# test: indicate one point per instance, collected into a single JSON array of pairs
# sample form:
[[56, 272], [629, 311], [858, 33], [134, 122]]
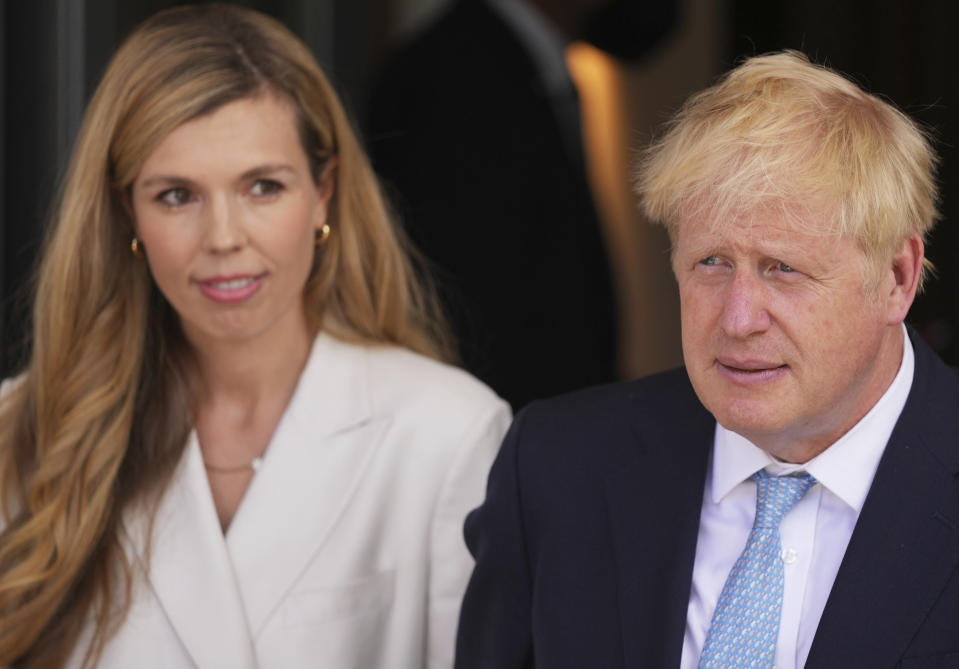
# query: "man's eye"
[[174, 197], [710, 261], [265, 187], [783, 267]]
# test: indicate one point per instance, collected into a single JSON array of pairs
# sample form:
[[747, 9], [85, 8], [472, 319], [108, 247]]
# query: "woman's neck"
[[244, 374], [243, 390]]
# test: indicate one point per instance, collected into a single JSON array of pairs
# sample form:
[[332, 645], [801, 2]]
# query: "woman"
[[234, 444]]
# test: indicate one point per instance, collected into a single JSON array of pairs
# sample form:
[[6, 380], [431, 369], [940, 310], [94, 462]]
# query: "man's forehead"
[[779, 226]]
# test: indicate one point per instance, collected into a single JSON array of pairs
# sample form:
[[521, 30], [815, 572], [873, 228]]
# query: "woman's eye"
[[265, 187], [174, 197], [709, 261]]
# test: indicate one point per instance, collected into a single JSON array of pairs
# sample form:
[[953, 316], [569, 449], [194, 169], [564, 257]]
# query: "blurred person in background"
[[476, 126]]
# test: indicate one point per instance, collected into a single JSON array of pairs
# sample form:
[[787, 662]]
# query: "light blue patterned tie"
[[745, 625]]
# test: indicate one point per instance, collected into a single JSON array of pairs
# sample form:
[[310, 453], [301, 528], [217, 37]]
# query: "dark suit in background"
[[472, 148]]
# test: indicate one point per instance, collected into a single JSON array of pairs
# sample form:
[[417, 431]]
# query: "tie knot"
[[776, 495]]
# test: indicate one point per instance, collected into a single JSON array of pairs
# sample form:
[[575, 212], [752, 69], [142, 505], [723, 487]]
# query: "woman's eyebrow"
[[166, 180], [263, 170]]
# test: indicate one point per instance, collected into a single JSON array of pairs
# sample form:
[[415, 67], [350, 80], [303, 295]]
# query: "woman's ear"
[[126, 201], [326, 182]]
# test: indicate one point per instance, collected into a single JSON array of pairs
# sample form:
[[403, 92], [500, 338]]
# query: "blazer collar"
[[654, 508], [905, 545], [334, 390], [189, 568], [219, 592], [317, 457]]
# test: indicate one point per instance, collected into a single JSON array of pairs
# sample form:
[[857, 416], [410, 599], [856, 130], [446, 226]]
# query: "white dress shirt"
[[814, 533]]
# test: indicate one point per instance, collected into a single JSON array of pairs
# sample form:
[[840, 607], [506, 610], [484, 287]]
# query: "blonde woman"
[[235, 443]]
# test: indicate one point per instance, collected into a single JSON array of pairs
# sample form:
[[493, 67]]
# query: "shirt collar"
[[544, 42], [846, 468]]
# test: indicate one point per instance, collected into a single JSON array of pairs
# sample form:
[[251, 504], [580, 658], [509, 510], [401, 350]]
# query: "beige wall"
[[622, 108]]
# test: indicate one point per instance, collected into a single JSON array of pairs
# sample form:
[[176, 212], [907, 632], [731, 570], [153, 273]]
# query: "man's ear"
[[906, 270]]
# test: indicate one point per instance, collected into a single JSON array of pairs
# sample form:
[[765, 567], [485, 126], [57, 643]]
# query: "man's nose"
[[745, 309], [224, 230]]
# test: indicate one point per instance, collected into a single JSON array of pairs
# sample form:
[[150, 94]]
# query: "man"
[[618, 528]]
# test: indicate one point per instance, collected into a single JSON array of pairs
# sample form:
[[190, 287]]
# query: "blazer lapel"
[[189, 570], [317, 456], [654, 507], [906, 543]]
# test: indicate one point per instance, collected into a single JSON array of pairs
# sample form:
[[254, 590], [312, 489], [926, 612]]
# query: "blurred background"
[[631, 66]]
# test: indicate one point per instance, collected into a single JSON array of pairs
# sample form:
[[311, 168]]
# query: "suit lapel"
[[906, 543], [654, 507], [316, 459], [189, 569]]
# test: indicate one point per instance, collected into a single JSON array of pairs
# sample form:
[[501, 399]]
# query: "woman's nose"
[[224, 226]]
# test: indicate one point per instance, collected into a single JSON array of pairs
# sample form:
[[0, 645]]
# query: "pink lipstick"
[[230, 289]]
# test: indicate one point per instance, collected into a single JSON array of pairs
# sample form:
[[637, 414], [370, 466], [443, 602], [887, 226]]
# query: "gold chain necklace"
[[253, 466]]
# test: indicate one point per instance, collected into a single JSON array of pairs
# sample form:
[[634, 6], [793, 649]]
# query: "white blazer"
[[347, 550]]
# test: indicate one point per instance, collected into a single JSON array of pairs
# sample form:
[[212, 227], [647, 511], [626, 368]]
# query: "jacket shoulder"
[[654, 397], [402, 379], [600, 428]]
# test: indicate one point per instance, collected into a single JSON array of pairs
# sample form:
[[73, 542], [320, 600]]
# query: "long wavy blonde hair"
[[100, 416]]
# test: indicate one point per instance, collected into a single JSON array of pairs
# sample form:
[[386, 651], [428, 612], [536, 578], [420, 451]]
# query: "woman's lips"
[[230, 289]]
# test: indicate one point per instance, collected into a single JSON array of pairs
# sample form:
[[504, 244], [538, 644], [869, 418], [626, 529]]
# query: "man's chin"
[[753, 418]]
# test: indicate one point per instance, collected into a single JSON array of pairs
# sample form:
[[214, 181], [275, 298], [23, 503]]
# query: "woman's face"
[[227, 210]]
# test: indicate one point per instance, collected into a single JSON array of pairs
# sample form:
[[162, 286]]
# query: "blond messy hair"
[[100, 416], [780, 133]]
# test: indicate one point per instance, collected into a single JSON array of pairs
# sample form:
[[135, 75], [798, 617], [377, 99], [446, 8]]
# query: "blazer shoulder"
[[606, 421], [440, 415], [403, 380], [930, 411], [648, 397]]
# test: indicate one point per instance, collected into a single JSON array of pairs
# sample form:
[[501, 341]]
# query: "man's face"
[[785, 339]]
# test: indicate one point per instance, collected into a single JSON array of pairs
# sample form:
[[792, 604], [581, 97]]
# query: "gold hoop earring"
[[321, 235], [136, 249]]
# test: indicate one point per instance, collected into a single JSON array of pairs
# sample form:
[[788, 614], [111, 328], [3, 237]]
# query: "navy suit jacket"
[[585, 543]]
